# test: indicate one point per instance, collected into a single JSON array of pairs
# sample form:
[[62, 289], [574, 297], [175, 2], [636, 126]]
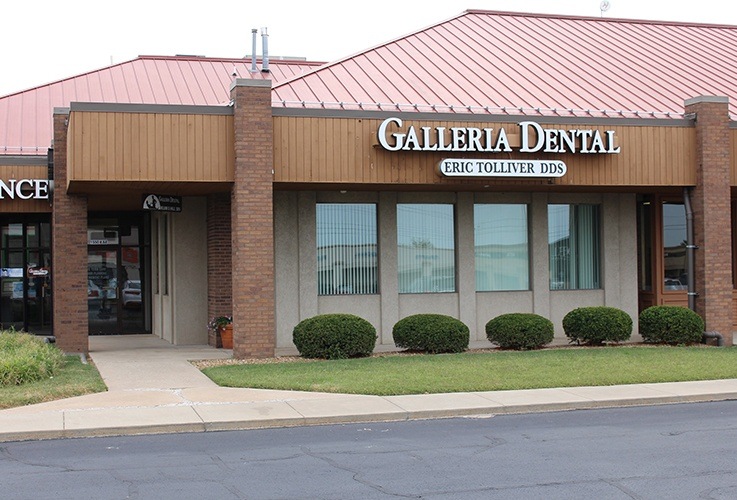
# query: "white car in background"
[[132, 294]]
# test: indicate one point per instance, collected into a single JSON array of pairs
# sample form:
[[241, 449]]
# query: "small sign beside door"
[[162, 203]]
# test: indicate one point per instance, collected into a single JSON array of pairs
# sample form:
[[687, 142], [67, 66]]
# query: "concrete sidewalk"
[[154, 389]]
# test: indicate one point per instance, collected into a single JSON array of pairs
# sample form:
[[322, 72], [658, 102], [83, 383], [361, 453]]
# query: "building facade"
[[387, 184]]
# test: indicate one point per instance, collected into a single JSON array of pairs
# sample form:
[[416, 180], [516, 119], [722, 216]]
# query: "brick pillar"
[[711, 206], [219, 263], [68, 252], [252, 221]]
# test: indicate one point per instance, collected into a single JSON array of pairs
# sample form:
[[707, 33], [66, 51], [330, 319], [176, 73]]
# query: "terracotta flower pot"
[[226, 336]]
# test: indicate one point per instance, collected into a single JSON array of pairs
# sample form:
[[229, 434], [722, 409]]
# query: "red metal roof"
[[477, 62], [501, 62], [26, 117]]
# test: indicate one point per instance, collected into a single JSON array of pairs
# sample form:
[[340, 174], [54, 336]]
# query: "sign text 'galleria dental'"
[[533, 138]]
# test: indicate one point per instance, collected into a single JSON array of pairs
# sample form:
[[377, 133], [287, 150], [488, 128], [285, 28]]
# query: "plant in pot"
[[222, 327]]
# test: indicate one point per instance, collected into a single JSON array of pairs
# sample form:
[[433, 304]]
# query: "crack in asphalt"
[[623, 489], [356, 474], [6, 454], [725, 492]]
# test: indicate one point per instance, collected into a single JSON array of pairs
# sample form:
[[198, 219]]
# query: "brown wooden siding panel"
[[118, 146], [18, 172], [341, 150], [733, 156]]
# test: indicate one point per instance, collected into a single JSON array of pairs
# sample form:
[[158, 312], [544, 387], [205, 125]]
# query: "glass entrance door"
[[25, 274], [661, 251], [102, 290], [116, 300]]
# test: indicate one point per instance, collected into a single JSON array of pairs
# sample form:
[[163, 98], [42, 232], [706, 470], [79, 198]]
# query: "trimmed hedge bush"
[[26, 358], [432, 333], [596, 325], [334, 336], [671, 325], [520, 331]]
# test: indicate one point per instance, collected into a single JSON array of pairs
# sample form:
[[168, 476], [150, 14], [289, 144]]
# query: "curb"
[[390, 416]]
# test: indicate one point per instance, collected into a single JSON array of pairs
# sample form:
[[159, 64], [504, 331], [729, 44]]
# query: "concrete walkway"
[[154, 389]]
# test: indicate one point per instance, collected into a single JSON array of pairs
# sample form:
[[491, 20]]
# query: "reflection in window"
[[674, 246], [501, 247], [12, 236], [346, 248], [574, 247], [426, 248]]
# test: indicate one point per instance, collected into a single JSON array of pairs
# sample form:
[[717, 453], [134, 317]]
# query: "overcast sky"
[[48, 40]]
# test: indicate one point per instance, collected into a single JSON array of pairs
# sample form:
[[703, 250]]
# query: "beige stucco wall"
[[189, 272], [181, 316], [296, 257]]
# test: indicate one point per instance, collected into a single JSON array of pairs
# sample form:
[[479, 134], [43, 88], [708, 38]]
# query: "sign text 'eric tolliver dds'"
[[533, 138], [501, 168]]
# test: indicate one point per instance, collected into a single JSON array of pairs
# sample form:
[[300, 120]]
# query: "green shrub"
[[596, 325], [671, 325], [432, 333], [334, 336], [520, 331], [25, 358]]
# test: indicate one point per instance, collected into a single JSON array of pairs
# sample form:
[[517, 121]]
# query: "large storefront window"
[[25, 273], [426, 248], [501, 247], [674, 246], [346, 248], [574, 247]]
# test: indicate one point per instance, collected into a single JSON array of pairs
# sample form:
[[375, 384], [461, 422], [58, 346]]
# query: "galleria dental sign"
[[24, 189], [534, 139]]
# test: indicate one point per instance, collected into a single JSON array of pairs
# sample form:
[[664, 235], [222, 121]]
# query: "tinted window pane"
[[346, 248], [501, 247], [426, 248], [574, 247], [674, 246]]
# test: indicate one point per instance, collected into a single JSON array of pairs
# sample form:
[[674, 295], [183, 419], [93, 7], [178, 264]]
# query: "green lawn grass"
[[486, 371], [72, 379]]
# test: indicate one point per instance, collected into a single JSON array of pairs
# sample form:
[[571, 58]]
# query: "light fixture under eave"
[[343, 191]]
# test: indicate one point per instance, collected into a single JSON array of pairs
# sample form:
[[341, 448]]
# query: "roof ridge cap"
[[192, 57], [54, 82], [597, 19], [364, 51]]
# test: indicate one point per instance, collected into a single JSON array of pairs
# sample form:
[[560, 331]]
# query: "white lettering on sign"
[[534, 139], [24, 189], [453, 167]]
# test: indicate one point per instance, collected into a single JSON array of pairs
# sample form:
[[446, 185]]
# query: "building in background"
[[491, 163]]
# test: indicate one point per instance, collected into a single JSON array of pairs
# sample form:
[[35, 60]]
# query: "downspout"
[[690, 248]]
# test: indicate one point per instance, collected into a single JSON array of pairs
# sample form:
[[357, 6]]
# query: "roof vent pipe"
[[265, 44], [254, 37]]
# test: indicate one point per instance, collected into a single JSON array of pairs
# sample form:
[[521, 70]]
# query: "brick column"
[[252, 221], [711, 200], [69, 251], [219, 263]]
